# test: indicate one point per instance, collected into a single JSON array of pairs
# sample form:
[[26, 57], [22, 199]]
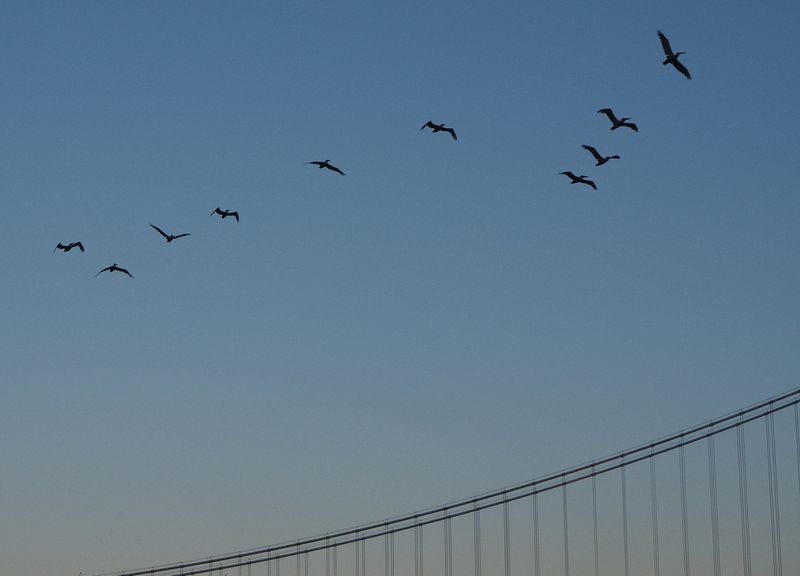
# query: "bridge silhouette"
[[722, 497]]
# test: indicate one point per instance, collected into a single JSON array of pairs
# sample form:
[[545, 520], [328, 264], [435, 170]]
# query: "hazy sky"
[[447, 318]]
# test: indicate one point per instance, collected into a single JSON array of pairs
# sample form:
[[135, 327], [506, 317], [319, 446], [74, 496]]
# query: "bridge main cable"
[[471, 505]]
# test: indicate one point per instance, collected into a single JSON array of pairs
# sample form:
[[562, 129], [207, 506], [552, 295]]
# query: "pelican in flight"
[[169, 237], [439, 128], [68, 247], [617, 122], [326, 164], [114, 268], [672, 57], [225, 213], [600, 159], [579, 179]]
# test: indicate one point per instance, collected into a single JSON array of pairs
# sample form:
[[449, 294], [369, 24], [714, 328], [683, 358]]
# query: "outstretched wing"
[[216, 211], [335, 169], [452, 133], [181, 235], [608, 112], [235, 215], [106, 269], [59, 246], [123, 270], [569, 174], [682, 69], [665, 43], [593, 150], [590, 183], [79, 245], [632, 126], [160, 231], [428, 124]]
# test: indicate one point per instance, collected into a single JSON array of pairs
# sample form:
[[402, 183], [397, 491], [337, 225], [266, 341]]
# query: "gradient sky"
[[448, 318]]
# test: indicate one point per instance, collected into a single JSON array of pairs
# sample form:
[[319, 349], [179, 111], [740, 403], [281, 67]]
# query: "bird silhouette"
[[617, 123], [169, 237], [225, 213], [68, 247], [114, 268], [579, 179], [439, 128], [326, 164], [600, 159], [672, 57]]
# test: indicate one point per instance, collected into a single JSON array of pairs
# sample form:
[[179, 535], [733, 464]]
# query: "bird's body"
[[225, 213], [618, 122], [600, 159], [672, 57], [169, 237], [114, 268], [326, 164], [68, 247], [439, 128], [579, 179]]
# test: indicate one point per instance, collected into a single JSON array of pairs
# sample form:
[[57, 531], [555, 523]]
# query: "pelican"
[[169, 237], [68, 247], [616, 123], [672, 57], [114, 268], [579, 179], [600, 159], [225, 213], [439, 128], [326, 164]]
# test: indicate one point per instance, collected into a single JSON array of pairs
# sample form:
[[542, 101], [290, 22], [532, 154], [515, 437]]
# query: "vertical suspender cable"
[[566, 527], [654, 514], [363, 558], [391, 552], [770, 478], [476, 517], [797, 443], [327, 559], [297, 561], [269, 567], [684, 520], [536, 560], [448, 547], [506, 541], [305, 564], [334, 555], [594, 520], [712, 488], [386, 554], [625, 522], [421, 551], [416, 550], [743, 501], [774, 501]]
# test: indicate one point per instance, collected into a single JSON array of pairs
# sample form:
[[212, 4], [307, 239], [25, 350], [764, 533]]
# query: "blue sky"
[[447, 318]]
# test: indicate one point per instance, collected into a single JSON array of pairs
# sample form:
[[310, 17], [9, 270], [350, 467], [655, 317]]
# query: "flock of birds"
[[671, 58]]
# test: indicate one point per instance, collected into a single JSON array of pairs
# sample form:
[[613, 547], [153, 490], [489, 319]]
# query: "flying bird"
[[169, 237], [617, 123], [672, 57], [579, 179], [225, 213], [600, 159], [439, 128], [326, 164], [114, 268], [68, 247]]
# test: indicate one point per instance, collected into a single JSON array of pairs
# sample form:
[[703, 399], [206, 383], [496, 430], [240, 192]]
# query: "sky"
[[448, 318]]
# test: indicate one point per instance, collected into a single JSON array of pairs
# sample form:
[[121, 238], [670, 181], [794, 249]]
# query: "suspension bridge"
[[722, 497]]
